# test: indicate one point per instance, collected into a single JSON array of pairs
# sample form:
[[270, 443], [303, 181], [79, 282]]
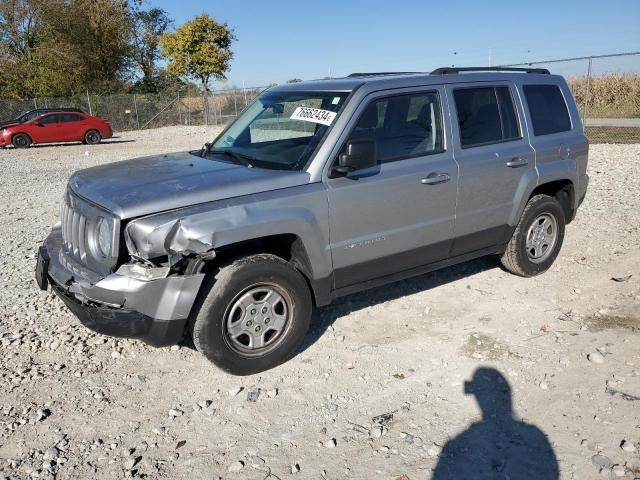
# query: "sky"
[[283, 39]]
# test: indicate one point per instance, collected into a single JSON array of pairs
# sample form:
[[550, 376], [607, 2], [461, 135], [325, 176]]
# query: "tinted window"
[[403, 126], [71, 117], [547, 108], [485, 115], [50, 119]]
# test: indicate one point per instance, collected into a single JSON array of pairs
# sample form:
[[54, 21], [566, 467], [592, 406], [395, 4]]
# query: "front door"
[[401, 213], [47, 128]]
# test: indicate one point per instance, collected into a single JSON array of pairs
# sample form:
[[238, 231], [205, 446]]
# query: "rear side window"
[[486, 115], [548, 109], [71, 117]]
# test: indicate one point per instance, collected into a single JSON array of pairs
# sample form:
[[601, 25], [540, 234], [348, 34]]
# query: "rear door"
[[72, 127], [496, 162], [399, 214]]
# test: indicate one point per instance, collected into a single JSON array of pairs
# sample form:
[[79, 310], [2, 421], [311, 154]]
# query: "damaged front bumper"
[[129, 303]]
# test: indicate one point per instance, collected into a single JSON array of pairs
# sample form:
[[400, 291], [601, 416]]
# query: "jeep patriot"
[[317, 190]]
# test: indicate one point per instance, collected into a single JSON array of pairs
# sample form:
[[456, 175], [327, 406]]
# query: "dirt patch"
[[484, 347], [599, 322]]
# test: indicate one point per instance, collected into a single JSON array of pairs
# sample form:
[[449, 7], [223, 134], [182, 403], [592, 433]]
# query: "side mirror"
[[205, 150], [360, 154], [38, 124]]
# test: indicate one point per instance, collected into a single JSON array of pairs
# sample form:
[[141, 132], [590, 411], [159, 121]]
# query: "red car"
[[57, 127]]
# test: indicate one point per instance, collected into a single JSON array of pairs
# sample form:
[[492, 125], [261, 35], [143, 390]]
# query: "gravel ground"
[[74, 404]]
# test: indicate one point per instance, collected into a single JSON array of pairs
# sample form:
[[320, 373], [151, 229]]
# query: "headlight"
[[104, 236]]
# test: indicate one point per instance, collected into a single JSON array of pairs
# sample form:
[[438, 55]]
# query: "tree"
[[62, 47], [294, 80], [199, 49], [149, 26]]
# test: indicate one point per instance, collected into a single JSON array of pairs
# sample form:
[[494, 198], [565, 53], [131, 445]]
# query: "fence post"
[[205, 105], [89, 102], [135, 107], [235, 101], [586, 96], [179, 113], [188, 109]]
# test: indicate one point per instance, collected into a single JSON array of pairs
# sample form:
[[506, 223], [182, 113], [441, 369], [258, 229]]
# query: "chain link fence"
[[607, 90], [606, 87], [138, 111]]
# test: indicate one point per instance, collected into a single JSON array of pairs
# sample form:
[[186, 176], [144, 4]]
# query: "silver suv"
[[317, 190]]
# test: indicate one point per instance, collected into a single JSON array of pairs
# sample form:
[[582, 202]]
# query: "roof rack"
[[378, 74], [451, 70]]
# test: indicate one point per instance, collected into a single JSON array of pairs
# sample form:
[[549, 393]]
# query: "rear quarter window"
[[548, 109]]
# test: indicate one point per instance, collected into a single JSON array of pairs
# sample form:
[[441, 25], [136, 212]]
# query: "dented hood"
[[142, 186]]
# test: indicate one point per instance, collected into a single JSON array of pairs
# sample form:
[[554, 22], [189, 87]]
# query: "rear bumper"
[[154, 311]]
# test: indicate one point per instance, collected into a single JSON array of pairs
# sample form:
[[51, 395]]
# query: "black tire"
[[518, 258], [92, 137], [21, 140], [219, 299]]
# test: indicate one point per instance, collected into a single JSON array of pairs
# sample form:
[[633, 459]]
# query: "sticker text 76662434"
[[315, 115]]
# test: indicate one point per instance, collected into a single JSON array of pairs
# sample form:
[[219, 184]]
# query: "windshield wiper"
[[238, 157]]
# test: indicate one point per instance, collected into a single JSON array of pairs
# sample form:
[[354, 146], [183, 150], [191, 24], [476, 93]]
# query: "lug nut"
[[249, 323], [258, 328], [267, 320], [264, 309], [253, 311]]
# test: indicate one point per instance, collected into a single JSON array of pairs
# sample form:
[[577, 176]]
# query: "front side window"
[[547, 108], [403, 126], [280, 130], [486, 115], [50, 119]]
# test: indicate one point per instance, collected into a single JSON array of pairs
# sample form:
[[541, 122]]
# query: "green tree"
[[199, 49], [149, 26]]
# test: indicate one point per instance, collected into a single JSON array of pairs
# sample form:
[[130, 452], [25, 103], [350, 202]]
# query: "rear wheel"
[[92, 137], [253, 316], [537, 239], [21, 140]]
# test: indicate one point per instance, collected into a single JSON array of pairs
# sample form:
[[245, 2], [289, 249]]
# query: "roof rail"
[[450, 70], [378, 74]]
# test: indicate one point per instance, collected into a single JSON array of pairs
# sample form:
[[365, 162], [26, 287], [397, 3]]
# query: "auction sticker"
[[315, 115]]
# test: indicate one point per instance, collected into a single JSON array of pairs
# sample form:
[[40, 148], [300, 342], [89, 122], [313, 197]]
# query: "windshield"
[[25, 117], [280, 130]]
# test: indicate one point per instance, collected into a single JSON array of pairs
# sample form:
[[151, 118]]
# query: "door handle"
[[435, 178], [516, 162]]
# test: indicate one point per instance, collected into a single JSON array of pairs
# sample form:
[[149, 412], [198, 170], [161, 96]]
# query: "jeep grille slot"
[[74, 234]]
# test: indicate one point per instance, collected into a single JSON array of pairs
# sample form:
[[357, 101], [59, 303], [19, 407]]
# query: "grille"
[[74, 230]]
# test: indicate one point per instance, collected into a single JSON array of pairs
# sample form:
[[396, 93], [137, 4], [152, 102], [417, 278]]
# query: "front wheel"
[[537, 239], [21, 140], [253, 316]]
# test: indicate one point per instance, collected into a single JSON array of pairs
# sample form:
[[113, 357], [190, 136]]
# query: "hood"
[[9, 123], [142, 186]]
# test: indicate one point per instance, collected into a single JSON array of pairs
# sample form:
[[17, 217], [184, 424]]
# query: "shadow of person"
[[499, 446]]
